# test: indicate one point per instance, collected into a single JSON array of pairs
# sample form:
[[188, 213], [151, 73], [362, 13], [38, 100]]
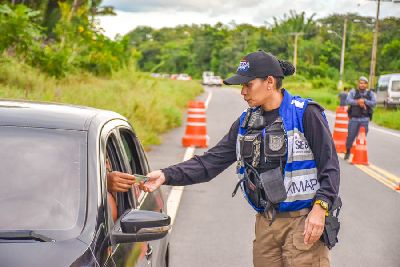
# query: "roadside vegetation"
[[151, 105], [54, 50]]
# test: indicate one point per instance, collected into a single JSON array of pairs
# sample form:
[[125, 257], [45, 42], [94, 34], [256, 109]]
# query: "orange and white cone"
[[360, 152], [196, 127], [341, 129]]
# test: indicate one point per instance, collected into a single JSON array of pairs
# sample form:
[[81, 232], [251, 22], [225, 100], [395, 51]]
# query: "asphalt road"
[[213, 229]]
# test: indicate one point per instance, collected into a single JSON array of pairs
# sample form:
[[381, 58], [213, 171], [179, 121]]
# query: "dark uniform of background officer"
[[361, 102], [293, 237]]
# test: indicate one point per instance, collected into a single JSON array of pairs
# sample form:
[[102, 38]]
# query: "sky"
[[169, 13]]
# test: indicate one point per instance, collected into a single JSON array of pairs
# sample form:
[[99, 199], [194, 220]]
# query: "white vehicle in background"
[[216, 80], [388, 90], [207, 76]]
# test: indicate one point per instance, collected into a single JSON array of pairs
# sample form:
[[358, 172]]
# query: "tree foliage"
[[196, 48], [61, 37]]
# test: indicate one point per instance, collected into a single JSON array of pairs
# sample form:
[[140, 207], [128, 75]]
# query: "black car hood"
[[61, 253]]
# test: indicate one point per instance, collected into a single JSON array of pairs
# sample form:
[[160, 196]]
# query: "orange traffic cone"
[[341, 129], [360, 152], [196, 131]]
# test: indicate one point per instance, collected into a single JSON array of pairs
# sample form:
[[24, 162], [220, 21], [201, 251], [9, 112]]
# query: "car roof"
[[51, 115], [392, 75]]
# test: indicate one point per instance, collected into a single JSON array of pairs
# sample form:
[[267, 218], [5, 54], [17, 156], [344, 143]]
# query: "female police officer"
[[286, 161]]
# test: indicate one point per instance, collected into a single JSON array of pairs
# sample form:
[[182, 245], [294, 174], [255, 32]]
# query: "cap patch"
[[243, 66]]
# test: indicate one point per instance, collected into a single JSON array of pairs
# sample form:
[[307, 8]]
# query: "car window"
[[124, 200], [42, 180], [134, 156], [383, 85], [395, 86]]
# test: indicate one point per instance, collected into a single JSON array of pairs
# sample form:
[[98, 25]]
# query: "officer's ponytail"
[[287, 67]]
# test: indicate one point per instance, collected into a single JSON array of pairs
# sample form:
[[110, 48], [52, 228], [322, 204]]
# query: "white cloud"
[[162, 13], [179, 5]]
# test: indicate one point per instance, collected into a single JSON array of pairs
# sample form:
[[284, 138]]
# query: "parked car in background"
[[155, 75], [56, 210], [216, 80], [207, 76], [183, 77], [388, 90]]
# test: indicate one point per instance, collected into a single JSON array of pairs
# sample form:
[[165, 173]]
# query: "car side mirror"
[[140, 225]]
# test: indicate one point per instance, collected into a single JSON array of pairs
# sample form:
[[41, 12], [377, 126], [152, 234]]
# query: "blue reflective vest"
[[300, 172]]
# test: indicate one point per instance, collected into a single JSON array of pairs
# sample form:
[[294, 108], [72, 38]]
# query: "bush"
[[324, 83]]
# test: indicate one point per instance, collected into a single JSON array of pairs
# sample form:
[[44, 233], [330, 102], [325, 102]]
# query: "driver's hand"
[[119, 181], [156, 179]]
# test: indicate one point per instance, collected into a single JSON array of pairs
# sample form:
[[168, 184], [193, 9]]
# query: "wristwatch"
[[323, 204]]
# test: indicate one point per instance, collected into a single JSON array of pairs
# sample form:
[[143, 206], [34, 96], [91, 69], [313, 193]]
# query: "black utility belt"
[[359, 117], [292, 214]]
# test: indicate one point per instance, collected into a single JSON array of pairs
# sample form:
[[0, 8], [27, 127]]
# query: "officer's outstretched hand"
[[314, 225], [156, 179]]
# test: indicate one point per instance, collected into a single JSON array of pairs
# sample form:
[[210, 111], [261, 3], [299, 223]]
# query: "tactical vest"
[[355, 111], [282, 144]]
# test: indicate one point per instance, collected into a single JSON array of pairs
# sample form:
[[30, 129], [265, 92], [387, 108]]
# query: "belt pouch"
[[272, 182]]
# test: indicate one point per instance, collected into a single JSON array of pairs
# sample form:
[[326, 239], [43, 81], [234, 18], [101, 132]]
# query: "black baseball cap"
[[256, 65]]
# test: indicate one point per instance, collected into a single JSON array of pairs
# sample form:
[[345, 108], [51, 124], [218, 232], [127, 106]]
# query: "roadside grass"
[[387, 118], [151, 105]]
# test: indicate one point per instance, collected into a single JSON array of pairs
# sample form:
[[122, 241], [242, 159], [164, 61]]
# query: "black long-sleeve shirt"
[[316, 130]]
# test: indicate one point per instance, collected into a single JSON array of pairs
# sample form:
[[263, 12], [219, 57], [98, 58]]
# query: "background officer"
[[288, 134], [361, 102], [343, 97]]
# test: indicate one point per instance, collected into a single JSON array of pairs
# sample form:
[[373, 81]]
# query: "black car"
[[54, 204]]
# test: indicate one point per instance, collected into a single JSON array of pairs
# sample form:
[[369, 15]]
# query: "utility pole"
[[340, 85], [374, 48], [296, 37], [375, 42]]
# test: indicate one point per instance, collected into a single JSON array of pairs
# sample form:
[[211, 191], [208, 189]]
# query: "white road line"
[[208, 98], [173, 202], [332, 115], [189, 153], [175, 195]]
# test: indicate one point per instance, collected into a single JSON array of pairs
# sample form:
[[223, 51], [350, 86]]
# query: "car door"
[[131, 254], [137, 163]]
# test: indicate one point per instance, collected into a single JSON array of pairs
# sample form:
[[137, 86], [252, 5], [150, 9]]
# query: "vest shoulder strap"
[[312, 102]]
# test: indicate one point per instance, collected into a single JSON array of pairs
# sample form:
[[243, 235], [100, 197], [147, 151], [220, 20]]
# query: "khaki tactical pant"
[[282, 244]]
